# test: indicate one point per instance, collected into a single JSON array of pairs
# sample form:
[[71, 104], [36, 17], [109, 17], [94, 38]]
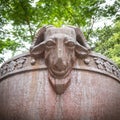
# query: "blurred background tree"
[[19, 20]]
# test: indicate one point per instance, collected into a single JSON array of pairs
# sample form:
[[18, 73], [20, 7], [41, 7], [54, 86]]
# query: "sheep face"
[[60, 51], [59, 45]]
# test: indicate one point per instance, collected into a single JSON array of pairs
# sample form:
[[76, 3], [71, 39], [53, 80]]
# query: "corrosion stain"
[[33, 86]]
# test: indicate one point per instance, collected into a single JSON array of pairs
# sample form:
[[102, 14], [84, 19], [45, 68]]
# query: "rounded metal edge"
[[94, 54], [98, 71], [28, 69], [26, 54], [31, 67], [15, 57]]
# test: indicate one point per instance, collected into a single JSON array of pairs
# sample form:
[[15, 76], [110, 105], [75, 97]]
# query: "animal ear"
[[80, 38], [38, 49], [38, 44], [81, 51]]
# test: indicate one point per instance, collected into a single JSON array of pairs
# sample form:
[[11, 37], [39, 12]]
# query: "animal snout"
[[60, 65]]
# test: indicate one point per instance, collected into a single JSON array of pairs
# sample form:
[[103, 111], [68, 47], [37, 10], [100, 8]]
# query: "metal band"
[[94, 63]]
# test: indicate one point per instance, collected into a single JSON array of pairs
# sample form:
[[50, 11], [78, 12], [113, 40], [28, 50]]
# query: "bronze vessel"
[[59, 79]]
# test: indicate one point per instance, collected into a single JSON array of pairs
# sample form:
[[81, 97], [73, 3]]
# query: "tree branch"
[[91, 27], [27, 19]]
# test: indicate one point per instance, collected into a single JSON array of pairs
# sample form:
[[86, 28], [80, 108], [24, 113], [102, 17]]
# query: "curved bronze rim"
[[94, 63]]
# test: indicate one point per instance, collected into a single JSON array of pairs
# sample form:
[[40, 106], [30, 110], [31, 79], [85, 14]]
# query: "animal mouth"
[[59, 73]]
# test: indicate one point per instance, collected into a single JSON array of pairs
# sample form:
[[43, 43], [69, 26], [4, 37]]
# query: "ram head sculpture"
[[60, 46]]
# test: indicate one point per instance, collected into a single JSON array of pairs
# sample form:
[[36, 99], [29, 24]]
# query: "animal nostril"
[[60, 65]]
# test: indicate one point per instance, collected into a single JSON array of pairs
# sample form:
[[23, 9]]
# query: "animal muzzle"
[[60, 65]]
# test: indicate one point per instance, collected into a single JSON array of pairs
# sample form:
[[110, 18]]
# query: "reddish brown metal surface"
[[30, 96], [29, 91]]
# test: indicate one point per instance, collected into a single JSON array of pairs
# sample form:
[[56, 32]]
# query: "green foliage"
[[108, 42], [58, 12], [19, 19], [111, 10], [8, 44], [26, 18]]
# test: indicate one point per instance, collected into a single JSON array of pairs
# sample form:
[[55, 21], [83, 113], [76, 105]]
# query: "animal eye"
[[70, 44], [50, 44]]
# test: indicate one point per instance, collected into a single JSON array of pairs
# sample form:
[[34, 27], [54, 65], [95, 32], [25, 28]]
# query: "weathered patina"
[[59, 46], [59, 79]]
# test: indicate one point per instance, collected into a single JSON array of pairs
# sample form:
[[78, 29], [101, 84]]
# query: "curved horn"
[[36, 48], [80, 37], [82, 48], [38, 44], [39, 36]]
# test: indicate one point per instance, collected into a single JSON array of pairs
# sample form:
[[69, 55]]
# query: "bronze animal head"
[[60, 46]]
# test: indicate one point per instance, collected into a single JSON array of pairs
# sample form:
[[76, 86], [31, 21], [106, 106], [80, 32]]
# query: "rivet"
[[87, 61], [33, 61]]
